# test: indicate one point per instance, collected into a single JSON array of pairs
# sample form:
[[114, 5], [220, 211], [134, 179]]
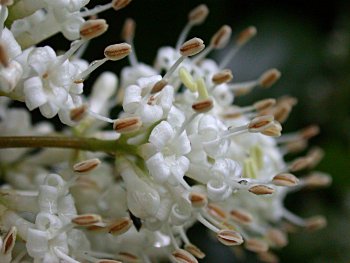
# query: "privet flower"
[[183, 151]]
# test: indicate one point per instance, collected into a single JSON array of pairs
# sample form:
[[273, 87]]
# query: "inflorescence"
[[179, 152]]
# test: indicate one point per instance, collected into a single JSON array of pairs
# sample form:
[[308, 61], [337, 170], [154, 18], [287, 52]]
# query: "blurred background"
[[310, 43]]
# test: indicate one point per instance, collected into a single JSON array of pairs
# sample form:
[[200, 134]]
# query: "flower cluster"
[[180, 151]]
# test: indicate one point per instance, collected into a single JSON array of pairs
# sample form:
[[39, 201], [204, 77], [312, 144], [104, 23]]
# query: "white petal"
[[161, 134], [37, 243], [41, 58], [166, 98], [180, 167], [150, 114], [147, 83], [181, 145], [158, 168], [132, 98], [218, 190], [176, 117], [49, 110], [207, 126], [34, 93]]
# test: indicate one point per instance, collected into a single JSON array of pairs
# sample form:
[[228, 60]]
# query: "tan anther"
[[198, 200], [120, 226], [269, 77], [198, 14], [221, 37], [203, 106], [120, 4], [285, 179], [217, 212], [315, 155], [128, 257], [78, 81], [261, 190], [4, 58], [108, 261], [93, 28], [264, 104], [117, 51], [260, 123], [232, 115], [317, 179], [273, 130], [98, 228], [87, 183], [245, 35], [315, 223], [86, 165], [9, 241], [229, 237], [242, 91], [182, 256], [281, 112], [192, 47], [195, 251], [159, 86], [6, 2], [292, 101], [309, 132], [299, 164], [128, 31], [77, 114], [256, 245], [241, 216], [277, 237], [223, 76], [268, 257], [86, 219], [126, 125], [296, 146]]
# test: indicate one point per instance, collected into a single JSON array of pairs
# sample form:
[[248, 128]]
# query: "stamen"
[[127, 35], [117, 51], [115, 4], [207, 224], [241, 216], [120, 226], [93, 28], [159, 86], [182, 256], [285, 179], [274, 130], [241, 40], [86, 165], [317, 179], [127, 125], [315, 223], [203, 106], [86, 220], [4, 59], [195, 251], [259, 124], [299, 164], [256, 245], [77, 114], [128, 257], [223, 76], [198, 200], [217, 212], [268, 257], [120, 4], [195, 17], [277, 237], [261, 190], [229, 237], [9, 241], [269, 77]]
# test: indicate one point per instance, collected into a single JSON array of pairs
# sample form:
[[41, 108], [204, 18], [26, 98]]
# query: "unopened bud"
[[117, 51], [259, 124], [192, 47], [245, 35], [93, 28], [86, 219], [198, 200], [217, 212], [222, 77], [195, 251], [86, 166], [4, 58], [128, 31], [277, 237], [159, 86], [120, 226], [203, 106], [182, 256], [285, 179], [269, 77], [77, 114], [309, 132], [126, 125], [198, 15], [120, 4], [261, 190], [229, 237], [256, 245], [241, 216], [9, 241], [264, 104], [315, 223], [221, 37], [317, 179]]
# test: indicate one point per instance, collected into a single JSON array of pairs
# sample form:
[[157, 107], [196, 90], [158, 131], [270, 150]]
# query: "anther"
[[93, 28], [198, 15], [77, 114], [203, 106], [9, 241], [241, 216], [159, 86], [120, 226], [125, 125], [317, 179], [277, 237], [4, 59], [86, 166], [198, 200], [108, 261], [281, 112], [256, 245], [299, 164], [269, 77], [221, 37], [128, 257], [86, 220], [128, 31], [117, 51], [315, 223], [223, 76], [309, 132], [245, 35], [273, 130], [268, 257], [261, 190], [264, 104], [195, 251], [192, 47], [285, 179], [182, 256], [315, 155], [229, 237], [259, 124], [217, 212], [120, 4]]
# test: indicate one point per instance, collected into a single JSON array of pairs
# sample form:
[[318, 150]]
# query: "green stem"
[[87, 144]]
